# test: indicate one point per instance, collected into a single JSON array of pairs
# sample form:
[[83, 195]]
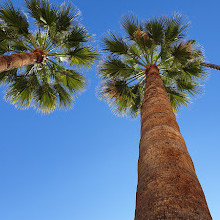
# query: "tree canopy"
[[159, 41], [64, 42]]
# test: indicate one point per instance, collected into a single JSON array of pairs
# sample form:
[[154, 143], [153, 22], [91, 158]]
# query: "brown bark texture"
[[168, 187], [9, 62], [211, 66]]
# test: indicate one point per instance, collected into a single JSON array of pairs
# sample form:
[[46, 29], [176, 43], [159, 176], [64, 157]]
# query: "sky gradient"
[[81, 164]]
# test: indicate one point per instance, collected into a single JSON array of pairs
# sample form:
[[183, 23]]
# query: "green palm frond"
[[8, 76], [42, 11], [115, 44], [155, 29], [14, 19], [180, 54], [58, 19], [45, 88], [77, 36], [66, 15], [74, 82], [158, 41], [45, 98], [115, 68], [177, 98], [83, 56], [20, 92], [123, 98], [4, 47], [130, 24], [19, 46]]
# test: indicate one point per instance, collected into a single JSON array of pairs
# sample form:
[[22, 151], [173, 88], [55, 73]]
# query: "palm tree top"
[[62, 43], [161, 42]]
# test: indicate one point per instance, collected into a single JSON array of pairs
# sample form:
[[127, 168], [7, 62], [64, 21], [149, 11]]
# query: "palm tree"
[[38, 50], [153, 70]]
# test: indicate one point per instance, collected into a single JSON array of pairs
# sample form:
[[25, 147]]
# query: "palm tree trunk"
[[8, 62], [211, 66], [168, 187]]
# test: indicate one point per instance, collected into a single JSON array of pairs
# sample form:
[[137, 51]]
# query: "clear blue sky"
[[82, 164]]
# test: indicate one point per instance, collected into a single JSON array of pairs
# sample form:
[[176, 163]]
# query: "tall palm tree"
[[38, 50], [153, 70]]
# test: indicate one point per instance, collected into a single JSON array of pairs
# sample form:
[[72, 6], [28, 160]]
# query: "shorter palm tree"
[[37, 64], [153, 70]]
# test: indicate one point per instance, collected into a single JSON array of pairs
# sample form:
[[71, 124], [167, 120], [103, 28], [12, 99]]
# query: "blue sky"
[[82, 164]]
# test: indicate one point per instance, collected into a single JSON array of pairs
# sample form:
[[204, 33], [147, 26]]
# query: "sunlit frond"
[[115, 44], [42, 11], [130, 24], [77, 36], [8, 76], [83, 56], [14, 19], [177, 98], [66, 15], [155, 29], [115, 68], [175, 29], [123, 99]]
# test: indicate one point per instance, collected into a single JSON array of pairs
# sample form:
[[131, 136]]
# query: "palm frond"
[[177, 99], [20, 92], [4, 47], [58, 19], [115, 68], [65, 99], [70, 79], [155, 29], [8, 76], [77, 36], [122, 98], [18, 46], [65, 16], [83, 56], [43, 13], [130, 24], [45, 98], [180, 53], [115, 44], [175, 28], [14, 19]]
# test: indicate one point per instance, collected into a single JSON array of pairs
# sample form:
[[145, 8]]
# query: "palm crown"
[[159, 41], [61, 40]]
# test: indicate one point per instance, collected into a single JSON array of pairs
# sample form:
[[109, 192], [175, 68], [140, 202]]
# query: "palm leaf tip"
[[115, 44]]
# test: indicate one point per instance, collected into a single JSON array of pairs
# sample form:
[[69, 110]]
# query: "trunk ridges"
[[168, 187], [211, 66], [9, 62], [40, 55]]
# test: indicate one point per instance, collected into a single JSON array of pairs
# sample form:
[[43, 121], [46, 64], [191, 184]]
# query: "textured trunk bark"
[[168, 187], [211, 66], [8, 62]]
